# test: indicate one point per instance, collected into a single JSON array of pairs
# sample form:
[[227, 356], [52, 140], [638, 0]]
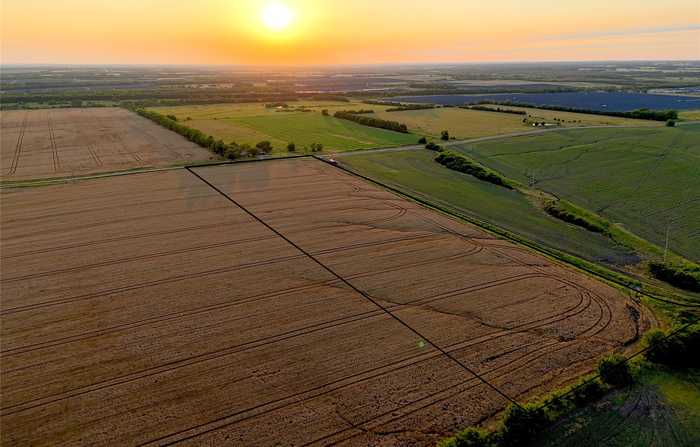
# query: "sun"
[[277, 16]]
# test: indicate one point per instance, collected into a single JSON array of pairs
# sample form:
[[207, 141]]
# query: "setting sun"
[[277, 16]]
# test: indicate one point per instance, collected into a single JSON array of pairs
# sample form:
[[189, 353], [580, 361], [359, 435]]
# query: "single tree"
[[423, 140], [445, 135], [291, 147]]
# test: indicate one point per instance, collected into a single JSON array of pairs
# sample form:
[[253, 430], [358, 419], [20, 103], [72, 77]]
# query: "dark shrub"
[[291, 147], [458, 162], [615, 371], [433, 147], [423, 140], [473, 437], [678, 351], [264, 146], [686, 276], [587, 392], [521, 424], [357, 117]]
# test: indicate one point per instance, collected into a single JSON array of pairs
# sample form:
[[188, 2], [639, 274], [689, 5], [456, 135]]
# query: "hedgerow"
[[230, 151], [576, 216], [679, 351], [642, 114], [371, 121], [462, 164], [683, 275]]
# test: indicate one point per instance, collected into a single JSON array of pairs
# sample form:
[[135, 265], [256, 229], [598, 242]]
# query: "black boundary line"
[[499, 232], [347, 283]]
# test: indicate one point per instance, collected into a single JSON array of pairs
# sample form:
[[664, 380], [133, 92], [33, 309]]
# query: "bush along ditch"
[[679, 351], [360, 118], [572, 214], [460, 163], [521, 425], [682, 275]]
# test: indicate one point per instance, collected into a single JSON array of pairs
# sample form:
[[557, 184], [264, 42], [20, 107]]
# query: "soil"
[[151, 309]]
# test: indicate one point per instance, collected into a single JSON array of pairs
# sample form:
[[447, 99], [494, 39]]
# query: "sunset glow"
[[303, 32]]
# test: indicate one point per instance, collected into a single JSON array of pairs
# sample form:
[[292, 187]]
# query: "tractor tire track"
[[254, 298], [18, 146], [223, 352], [54, 146]]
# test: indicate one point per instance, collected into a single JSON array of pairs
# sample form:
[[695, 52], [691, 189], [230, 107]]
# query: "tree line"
[[641, 114], [403, 108], [371, 121], [685, 276], [523, 424], [230, 151], [459, 163], [497, 109]]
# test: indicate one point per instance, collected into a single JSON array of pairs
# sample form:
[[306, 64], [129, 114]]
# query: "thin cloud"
[[628, 32]]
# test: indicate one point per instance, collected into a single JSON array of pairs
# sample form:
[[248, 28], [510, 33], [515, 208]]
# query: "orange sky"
[[347, 31]]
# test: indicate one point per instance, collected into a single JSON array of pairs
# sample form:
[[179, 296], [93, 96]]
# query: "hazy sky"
[[347, 31]]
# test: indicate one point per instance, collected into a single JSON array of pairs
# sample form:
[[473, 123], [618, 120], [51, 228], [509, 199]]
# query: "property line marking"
[[352, 287]]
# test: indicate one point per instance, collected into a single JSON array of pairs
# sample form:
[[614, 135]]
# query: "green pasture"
[[252, 123], [647, 180]]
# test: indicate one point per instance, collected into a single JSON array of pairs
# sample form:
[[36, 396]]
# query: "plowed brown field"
[[152, 309], [67, 142]]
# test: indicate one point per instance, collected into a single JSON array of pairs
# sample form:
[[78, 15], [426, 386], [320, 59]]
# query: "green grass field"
[[462, 124], [572, 119], [689, 115], [416, 172], [252, 123], [466, 124], [645, 179], [662, 409]]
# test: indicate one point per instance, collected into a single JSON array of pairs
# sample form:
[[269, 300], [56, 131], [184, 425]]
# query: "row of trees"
[[682, 275], [642, 114], [571, 216], [497, 109], [523, 424], [520, 425], [462, 164], [371, 121], [231, 150], [403, 108]]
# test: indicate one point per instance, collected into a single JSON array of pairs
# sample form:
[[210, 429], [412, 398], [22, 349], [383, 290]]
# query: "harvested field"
[[275, 303], [67, 142]]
